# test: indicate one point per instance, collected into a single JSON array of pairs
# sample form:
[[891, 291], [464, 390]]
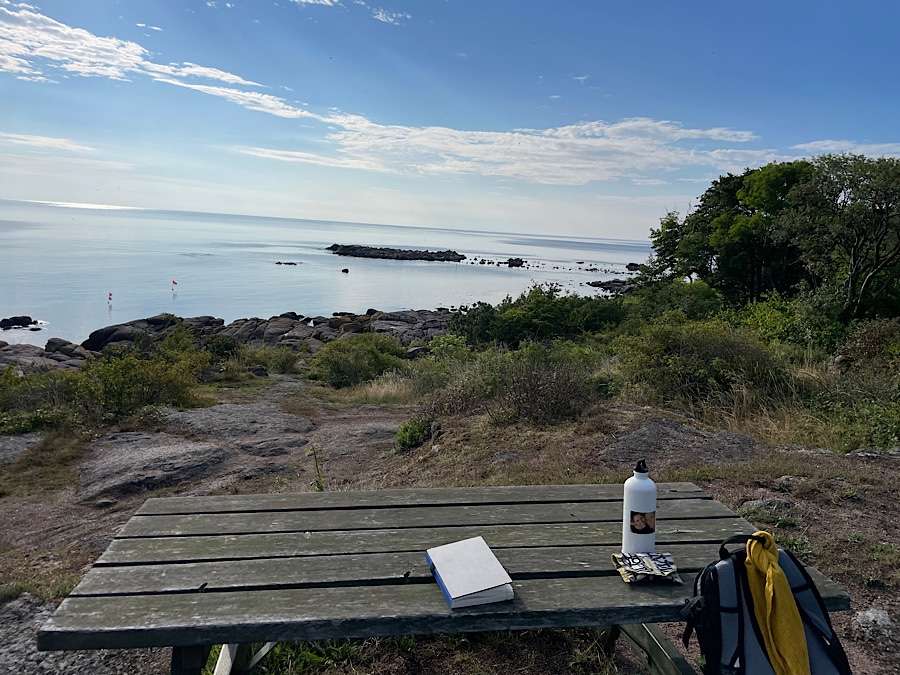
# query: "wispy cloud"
[[31, 42], [252, 100], [323, 3], [839, 146], [143, 25], [300, 157], [44, 142], [393, 18], [581, 78]]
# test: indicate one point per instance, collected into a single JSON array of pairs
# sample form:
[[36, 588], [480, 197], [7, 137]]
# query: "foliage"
[[696, 300], [105, 389], [540, 313], [356, 359], [802, 321], [222, 347], [538, 383], [412, 433], [694, 361], [831, 224], [540, 387], [845, 219]]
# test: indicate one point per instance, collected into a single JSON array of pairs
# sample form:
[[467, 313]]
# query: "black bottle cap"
[[642, 467]]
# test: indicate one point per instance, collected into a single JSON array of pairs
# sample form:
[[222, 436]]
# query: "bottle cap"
[[642, 466]]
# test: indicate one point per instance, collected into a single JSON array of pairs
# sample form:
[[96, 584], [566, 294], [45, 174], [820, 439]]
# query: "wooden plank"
[[426, 516], [406, 497], [249, 546], [521, 563], [356, 612]]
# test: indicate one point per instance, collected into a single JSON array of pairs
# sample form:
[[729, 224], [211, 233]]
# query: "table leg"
[[662, 656], [608, 640], [189, 660]]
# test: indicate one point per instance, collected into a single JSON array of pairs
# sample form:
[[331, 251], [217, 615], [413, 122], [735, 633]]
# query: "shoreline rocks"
[[358, 251]]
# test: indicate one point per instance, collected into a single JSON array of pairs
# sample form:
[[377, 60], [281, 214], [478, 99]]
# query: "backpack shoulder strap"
[[812, 609]]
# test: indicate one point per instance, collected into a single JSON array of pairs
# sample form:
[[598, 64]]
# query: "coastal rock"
[[126, 463], [24, 358], [67, 349], [515, 262], [13, 447], [633, 267], [17, 322], [614, 286], [358, 251]]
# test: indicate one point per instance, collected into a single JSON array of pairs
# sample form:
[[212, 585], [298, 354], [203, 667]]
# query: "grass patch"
[[412, 433], [48, 465]]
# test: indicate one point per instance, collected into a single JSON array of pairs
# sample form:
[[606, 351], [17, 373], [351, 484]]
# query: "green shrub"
[[539, 383], [275, 359], [222, 347], [448, 348], [694, 361], [412, 433], [799, 321], [356, 359], [114, 387], [874, 344], [695, 300], [106, 389], [539, 389], [540, 313]]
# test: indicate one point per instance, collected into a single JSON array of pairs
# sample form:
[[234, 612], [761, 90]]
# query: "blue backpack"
[[721, 613]]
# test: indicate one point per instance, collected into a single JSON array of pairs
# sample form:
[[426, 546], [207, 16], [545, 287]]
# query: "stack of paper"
[[469, 573]]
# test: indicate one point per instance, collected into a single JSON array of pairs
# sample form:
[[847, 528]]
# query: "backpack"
[[721, 613]]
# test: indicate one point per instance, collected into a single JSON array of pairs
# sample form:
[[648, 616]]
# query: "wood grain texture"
[[344, 612], [410, 567], [412, 517], [248, 546], [406, 497]]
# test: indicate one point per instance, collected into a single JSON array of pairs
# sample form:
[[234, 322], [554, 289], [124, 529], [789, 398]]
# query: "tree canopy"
[[828, 225]]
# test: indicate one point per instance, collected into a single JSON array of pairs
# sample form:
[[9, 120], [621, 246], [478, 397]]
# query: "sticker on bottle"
[[643, 523]]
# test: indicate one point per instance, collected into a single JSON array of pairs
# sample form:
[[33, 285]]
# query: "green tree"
[[845, 219]]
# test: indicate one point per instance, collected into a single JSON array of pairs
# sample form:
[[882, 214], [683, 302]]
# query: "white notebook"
[[469, 573]]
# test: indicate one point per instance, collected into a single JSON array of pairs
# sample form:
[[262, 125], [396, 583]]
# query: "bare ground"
[[838, 512]]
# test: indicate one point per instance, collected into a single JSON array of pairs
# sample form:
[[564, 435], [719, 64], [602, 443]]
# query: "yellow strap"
[[775, 608]]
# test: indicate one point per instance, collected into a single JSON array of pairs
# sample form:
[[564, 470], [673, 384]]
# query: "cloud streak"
[[31, 42], [43, 142]]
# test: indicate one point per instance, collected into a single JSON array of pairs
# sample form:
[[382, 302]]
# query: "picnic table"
[[192, 572]]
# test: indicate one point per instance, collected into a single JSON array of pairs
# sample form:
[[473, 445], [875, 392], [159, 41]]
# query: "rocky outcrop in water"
[[614, 286], [358, 251], [17, 322]]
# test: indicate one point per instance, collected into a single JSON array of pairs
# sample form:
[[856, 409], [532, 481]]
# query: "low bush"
[[356, 359], [800, 321], [695, 300], [696, 361], [538, 383], [540, 313], [874, 344], [412, 433], [105, 389], [274, 359]]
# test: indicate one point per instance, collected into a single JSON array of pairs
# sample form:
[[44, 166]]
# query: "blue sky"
[[590, 118]]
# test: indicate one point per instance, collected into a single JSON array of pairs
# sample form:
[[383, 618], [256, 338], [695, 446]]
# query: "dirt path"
[[840, 513]]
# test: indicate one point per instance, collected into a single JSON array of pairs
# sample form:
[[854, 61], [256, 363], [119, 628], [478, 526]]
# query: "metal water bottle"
[[639, 512]]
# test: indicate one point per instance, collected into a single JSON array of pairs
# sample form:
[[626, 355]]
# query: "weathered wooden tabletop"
[[187, 571]]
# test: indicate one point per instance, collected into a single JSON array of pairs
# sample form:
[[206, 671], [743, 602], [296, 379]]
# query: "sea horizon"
[[61, 260]]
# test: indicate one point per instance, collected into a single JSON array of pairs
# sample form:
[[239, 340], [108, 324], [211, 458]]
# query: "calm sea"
[[58, 263]]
